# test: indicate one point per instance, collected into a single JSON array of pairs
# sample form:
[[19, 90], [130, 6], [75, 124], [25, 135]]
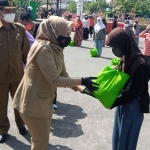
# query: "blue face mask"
[[86, 17]]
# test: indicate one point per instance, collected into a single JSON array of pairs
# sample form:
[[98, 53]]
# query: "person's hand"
[[80, 88], [90, 84]]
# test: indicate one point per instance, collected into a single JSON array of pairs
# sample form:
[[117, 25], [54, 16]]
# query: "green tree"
[[72, 7], [39, 3], [141, 7]]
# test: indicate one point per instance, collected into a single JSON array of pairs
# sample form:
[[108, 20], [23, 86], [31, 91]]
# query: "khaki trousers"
[[39, 130], [5, 88]]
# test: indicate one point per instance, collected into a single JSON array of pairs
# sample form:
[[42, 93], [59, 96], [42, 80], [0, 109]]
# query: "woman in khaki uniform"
[[45, 71]]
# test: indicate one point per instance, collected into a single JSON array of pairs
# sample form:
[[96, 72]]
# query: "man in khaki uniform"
[[14, 47]]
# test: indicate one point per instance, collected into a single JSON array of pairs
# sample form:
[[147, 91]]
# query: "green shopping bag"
[[72, 43], [111, 82], [93, 52]]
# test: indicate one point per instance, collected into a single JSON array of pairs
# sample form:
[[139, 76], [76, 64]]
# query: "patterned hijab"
[[45, 34]]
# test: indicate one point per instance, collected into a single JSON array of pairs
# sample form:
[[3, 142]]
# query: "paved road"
[[81, 122]]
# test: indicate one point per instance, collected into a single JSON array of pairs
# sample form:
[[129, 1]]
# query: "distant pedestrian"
[[115, 23], [105, 23], [136, 31], [146, 35], [78, 36], [130, 21], [86, 26], [99, 35], [128, 28], [92, 23]]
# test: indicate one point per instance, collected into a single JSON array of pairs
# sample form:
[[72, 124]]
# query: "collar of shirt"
[[13, 25]]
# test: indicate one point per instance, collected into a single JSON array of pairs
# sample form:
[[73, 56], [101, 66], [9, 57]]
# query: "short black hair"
[[25, 16]]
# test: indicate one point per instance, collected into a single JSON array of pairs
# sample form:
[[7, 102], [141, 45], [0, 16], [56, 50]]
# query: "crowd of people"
[[32, 67]]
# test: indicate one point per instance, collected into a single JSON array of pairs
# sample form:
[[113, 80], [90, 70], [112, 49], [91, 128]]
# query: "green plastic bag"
[[93, 52], [111, 82], [72, 43]]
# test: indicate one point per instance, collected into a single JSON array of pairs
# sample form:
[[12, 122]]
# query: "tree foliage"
[[25, 3], [141, 7], [91, 7], [72, 7]]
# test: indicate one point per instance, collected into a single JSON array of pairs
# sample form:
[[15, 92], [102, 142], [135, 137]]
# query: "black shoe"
[[3, 138], [22, 130]]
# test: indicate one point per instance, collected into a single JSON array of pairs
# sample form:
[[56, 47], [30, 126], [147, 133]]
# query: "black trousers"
[[91, 30], [55, 98]]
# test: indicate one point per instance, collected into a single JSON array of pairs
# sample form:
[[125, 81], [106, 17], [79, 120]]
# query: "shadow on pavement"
[[106, 58], [15, 144], [86, 47], [67, 127], [58, 147]]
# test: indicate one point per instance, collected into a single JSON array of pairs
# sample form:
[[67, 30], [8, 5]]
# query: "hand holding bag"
[[111, 81]]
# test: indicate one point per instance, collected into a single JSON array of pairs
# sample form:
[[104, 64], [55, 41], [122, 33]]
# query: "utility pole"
[[57, 5], [47, 6]]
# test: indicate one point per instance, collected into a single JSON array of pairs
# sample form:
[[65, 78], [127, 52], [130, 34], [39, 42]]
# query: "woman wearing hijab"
[[78, 36], [44, 72], [99, 35], [133, 102], [86, 26]]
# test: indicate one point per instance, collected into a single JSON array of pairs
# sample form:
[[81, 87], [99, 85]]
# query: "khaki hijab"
[[45, 35]]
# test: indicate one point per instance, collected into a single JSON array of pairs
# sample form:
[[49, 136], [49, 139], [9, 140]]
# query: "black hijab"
[[119, 38]]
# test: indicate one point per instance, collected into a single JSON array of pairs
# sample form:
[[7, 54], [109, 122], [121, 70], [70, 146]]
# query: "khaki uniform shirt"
[[14, 47], [35, 94]]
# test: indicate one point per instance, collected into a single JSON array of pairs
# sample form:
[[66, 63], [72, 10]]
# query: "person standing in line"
[[44, 72], [14, 47], [115, 22], [146, 35], [92, 23], [130, 22], [78, 36], [133, 101], [128, 29], [99, 35], [136, 32], [30, 25], [86, 26], [105, 23]]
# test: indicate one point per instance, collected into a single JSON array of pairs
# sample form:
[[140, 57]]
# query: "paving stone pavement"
[[81, 122]]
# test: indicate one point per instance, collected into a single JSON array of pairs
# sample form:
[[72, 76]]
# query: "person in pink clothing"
[[146, 34]]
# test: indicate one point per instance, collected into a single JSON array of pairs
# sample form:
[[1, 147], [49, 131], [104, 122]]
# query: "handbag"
[[111, 82]]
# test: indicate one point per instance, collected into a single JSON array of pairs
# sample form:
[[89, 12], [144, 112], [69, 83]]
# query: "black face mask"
[[63, 41], [135, 26], [117, 52]]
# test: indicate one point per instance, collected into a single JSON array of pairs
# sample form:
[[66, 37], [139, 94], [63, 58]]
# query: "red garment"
[[92, 23], [78, 36], [146, 50], [77, 24]]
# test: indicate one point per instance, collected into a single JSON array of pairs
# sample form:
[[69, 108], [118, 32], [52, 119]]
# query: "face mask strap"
[[53, 30]]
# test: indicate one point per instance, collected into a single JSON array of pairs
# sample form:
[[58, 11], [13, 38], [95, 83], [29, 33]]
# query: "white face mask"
[[77, 18], [126, 25], [9, 17]]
